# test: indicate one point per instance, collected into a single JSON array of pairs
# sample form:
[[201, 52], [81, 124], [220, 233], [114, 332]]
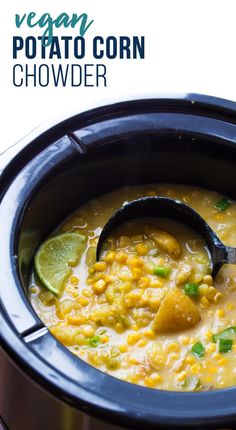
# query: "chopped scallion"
[[198, 349], [162, 271], [93, 341], [192, 383], [225, 345], [228, 333], [222, 204], [191, 289]]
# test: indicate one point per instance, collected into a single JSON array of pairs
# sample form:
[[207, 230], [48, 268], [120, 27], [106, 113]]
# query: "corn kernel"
[[133, 378], [131, 299], [149, 334], [189, 360], [208, 335], [156, 377], [211, 293], [121, 257], [212, 369], [93, 357], [157, 283], [172, 347], [124, 275], [181, 376], [74, 280], [211, 347], [109, 257], [76, 319], [149, 382], [204, 302], [185, 340], [141, 343], [135, 262], [193, 340], [99, 287], [105, 339], [125, 287], [149, 267], [230, 306], [100, 266], [141, 249], [197, 278], [203, 289], [207, 279], [86, 293], [75, 294], [136, 274], [88, 331], [195, 369], [173, 356], [223, 361], [83, 301], [97, 276], [133, 361], [135, 327], [220, 313], [144, 282], [133, 338], [123, 348], [208, 379], [161, 261], [218, 297], [107, 279], [119, 328]]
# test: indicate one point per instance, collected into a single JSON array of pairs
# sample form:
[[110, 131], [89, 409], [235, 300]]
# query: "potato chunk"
[[177, 312], [167, 243]]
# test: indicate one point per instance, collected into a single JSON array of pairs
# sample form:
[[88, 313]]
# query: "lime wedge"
[[55, 257]]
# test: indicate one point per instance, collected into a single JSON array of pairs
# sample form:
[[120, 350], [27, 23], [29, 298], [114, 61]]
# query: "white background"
[[190, 47]]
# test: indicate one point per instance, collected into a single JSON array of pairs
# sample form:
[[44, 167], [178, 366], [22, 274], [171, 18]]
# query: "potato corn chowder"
[[149, 311]]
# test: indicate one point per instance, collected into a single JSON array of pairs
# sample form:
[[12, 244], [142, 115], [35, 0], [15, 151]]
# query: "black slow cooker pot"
[[190, 140]]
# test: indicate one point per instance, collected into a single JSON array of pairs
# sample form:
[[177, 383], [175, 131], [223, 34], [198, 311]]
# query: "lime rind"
[[55, 257]]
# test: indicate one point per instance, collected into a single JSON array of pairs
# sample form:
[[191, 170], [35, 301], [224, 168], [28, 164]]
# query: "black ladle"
[[172, 209]]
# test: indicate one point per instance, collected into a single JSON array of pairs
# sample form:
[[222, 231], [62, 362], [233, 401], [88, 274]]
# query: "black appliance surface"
[[190, 140]]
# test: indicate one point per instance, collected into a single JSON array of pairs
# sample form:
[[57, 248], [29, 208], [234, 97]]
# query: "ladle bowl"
[[172, 209]]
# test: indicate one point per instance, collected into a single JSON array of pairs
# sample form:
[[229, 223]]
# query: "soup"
[[148, 311]]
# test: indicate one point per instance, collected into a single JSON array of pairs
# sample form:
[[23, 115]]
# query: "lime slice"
[[55, 257]]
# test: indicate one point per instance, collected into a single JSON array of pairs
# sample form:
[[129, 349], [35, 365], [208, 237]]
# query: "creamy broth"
[[116, 314]]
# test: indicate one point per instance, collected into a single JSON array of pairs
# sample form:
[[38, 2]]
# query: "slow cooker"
[[190, 140]]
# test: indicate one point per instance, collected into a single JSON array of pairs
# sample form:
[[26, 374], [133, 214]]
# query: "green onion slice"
[[228, 333], [198, 349], [162, 271], [222, 204], [93, 341], [225, 345], [191, 289], [192, 383]]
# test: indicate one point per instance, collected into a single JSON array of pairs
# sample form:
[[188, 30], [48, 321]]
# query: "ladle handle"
[[221, 254], [231, 252]]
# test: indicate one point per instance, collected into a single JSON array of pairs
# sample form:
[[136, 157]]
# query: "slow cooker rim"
[[225, 108], [180, 423], [114, 414]]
